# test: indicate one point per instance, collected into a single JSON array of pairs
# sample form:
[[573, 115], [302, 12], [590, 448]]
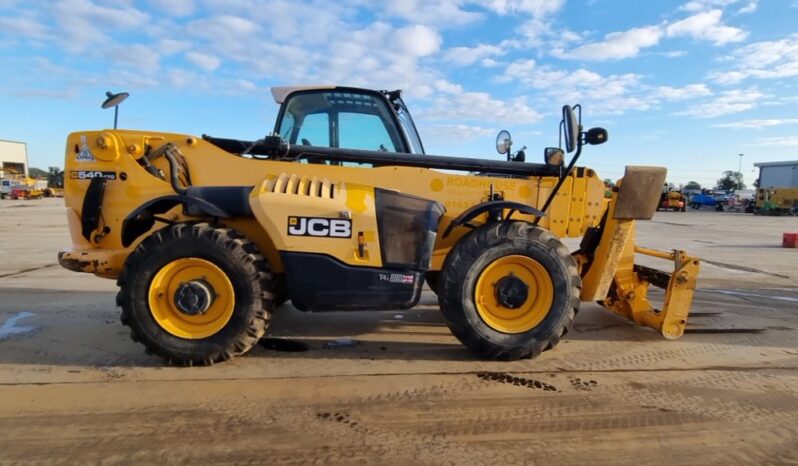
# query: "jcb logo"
[[318, 226]]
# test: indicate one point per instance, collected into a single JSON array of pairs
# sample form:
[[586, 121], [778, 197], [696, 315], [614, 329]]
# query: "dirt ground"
[[75, 389]]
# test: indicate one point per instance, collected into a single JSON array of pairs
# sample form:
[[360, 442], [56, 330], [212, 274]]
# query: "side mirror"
[[596, 136], [554, 156], [572, 129], [520, 156], [503, 142]]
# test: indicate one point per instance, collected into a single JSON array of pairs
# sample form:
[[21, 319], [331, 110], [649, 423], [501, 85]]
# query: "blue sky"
[[686, 84]]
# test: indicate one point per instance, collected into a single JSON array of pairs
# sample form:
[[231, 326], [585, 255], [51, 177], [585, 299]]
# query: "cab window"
[[364, 131], [315, 130]]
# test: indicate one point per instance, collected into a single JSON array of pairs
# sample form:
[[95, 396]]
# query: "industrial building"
[[778, 174], [13, 159]]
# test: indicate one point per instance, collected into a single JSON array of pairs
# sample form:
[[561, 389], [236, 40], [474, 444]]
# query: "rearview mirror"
[[503, 142], [554, 156], [571, 128]]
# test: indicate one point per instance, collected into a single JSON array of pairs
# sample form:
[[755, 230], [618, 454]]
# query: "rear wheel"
[[196, 294], [509, 290]]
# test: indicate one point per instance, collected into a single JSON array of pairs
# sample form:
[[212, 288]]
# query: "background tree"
[[55, 179], [731, 181], [34, 172], [693, 185]]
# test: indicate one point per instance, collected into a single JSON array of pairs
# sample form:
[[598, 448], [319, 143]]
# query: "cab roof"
[[281, 92]]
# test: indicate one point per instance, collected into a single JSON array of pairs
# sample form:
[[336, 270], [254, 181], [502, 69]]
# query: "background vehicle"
[[25, 192], [702, 200], [673, 200], [776, 201], [340, 209], [21, 188], [5, 187]]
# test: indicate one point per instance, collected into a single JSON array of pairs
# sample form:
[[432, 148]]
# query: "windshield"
[[340, 119]]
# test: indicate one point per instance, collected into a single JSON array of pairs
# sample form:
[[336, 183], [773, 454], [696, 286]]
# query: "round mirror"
[[113, 100], [571, 128], [503, 142]]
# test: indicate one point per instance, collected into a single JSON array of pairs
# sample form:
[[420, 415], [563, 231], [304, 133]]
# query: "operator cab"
[[346, 118]]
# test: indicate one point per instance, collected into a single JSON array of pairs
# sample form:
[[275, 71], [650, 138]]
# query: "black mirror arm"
[[563, 176]]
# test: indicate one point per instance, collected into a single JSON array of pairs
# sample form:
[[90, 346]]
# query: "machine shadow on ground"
[[89, 333]]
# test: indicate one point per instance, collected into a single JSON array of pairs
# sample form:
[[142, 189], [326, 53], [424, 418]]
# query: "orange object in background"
[[790, 240]]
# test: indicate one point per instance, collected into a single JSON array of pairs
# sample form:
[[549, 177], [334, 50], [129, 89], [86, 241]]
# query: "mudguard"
[[479, 209]]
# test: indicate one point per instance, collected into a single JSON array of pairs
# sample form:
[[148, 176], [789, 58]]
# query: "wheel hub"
[[511, 292], [194, 297]]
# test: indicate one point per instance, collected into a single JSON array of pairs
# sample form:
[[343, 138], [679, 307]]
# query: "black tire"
[[433, 281], [477, 250], [280, 290], [239, 259]]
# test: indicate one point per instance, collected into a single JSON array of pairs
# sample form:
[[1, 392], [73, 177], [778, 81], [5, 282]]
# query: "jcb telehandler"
[[340, 209]]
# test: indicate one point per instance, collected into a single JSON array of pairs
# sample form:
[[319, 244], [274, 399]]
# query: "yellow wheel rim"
[[530, 311], [171, 318]]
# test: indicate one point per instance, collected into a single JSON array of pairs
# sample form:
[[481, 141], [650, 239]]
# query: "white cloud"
[[735, 101], [536, 8], [245, 85], [708, 26], [464, 56], [613, 94], [704, 25], [702, 5], [441, 85], [169, 47], [418, 40], [83, 22], [538, 24], [455, 133], [49, 94], [762, 60], [442, 13], [24, 26], [786, 141], [758, 124], [174, 7], [203, 60], [224, 27], [682, 93], [675, 53], [181, 78], [749, 8], [482, 107], [617, 45], [135, 56]]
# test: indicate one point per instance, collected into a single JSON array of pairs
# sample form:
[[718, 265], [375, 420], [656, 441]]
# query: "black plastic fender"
[[473, 212], [142, 219], [91, 212]]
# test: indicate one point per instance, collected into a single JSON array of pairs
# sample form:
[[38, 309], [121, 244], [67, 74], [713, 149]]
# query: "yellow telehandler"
[[340, 208]]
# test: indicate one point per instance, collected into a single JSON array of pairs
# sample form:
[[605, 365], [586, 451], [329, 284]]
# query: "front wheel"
[[196, 294], [509, 290], [433, 281]]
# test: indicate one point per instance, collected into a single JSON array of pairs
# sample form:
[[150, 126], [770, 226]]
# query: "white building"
[[778, 174], [13, 158]]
